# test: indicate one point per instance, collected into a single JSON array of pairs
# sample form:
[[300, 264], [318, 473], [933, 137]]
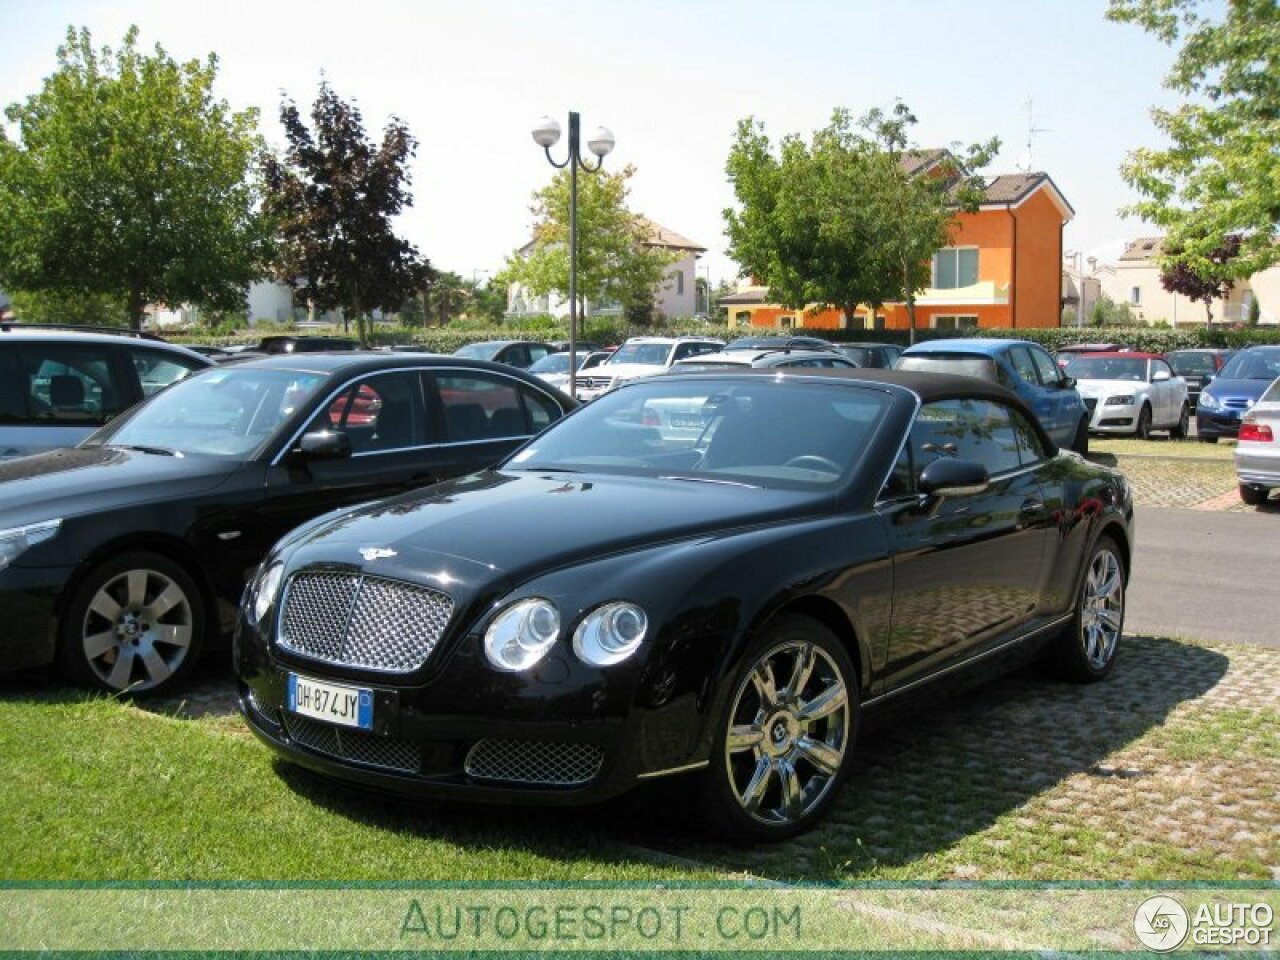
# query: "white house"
[[1135, 280], [675, 296]]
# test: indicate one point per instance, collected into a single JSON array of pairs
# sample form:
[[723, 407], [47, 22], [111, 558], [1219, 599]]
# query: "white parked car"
[[554, 367], [1131, 393], [642, 357], [771, 357], [1258, 450]]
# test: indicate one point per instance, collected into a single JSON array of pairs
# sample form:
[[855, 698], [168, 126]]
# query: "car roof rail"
[[8, 325]]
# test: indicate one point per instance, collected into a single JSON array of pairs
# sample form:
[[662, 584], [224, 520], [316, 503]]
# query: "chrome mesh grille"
[[362, 621], [594, 383], [353, 745], [531, 761]]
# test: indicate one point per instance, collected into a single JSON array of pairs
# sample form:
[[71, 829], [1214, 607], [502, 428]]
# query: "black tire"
[[142, 609], [1080, 654], [1180, 429], [1203, 439], [1081, 443], [766, 750], [1254, 496], [1142, 429]]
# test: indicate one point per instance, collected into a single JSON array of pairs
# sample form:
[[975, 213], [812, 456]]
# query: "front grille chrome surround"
[[356, 620], [595, 383], [356, 746], [536, 762]]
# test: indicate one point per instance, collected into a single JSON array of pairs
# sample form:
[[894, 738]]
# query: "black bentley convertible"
[[708, 574]]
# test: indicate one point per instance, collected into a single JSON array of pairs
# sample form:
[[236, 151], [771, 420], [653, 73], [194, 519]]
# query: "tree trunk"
[[846, 313], [1208, 314], [362, 332], [911, 319], [136, 305]]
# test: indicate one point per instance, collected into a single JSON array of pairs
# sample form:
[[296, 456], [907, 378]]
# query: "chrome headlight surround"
[[16, 541], [1207, 400], [522, 634], [266, 588], [610, 633], [1122, 401]]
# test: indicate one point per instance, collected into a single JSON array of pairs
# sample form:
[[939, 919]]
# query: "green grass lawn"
[[1164, 771]]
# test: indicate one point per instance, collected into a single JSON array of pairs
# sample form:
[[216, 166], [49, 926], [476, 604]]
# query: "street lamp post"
[[546, 134]]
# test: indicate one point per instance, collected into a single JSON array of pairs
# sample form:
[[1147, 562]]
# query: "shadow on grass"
[[922, 779]]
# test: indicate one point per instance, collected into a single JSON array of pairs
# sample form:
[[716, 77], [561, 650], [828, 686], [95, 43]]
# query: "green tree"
[[334, 195], [488, 301], [615, 261], [1220, 173], [1207, 283], [450, 297], [129, 180], [52, 306]]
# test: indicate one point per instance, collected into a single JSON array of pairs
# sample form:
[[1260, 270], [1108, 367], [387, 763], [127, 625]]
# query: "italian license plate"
[[686, 420], [331, 702]]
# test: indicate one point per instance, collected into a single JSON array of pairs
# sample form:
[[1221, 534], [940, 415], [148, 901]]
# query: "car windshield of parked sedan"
[[1108, 368], [650, 354], [226, 412], [964, 364], [758, 433], [1261, 363], [1191, 363]]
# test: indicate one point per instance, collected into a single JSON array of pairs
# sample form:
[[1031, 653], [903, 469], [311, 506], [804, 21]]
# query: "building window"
[[679, 283], [879, 321], [742, 318], [955, 267], [950, 322], [857, 322], [1135, 295], [787, 322]]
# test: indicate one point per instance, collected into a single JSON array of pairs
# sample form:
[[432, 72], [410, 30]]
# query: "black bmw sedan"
[[710, 574], [120, 558]]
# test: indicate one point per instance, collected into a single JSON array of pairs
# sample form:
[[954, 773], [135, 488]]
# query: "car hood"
[[1110, 388], [83, 480], [1236, 389], [624, 371], [519, 525]]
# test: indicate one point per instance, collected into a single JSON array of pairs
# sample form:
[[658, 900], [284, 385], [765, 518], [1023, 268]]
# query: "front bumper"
[[562, 735], [1218, 423], [1112, 418], [28, 597]]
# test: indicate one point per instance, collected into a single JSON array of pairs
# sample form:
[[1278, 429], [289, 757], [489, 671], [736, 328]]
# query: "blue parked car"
[[1226, 398], [1025, 368]]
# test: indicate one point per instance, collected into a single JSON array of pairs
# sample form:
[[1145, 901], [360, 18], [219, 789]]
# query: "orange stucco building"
[[1002, 267]]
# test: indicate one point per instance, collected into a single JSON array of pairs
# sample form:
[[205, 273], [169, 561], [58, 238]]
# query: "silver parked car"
[[1258, 450]]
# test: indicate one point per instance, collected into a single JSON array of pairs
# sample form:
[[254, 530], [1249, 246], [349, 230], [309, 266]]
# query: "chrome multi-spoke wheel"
[[135, 625], [1086, 650], [789, 732]]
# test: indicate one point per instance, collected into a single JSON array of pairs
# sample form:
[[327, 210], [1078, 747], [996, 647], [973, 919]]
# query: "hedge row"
[[1155, 340]]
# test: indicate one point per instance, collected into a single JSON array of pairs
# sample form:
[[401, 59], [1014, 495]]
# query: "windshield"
[[646, 354], [1259, 363], [1108, 368], [554, 363], [225, 412], [764, 433], [964, 364], [475, 351], [1193, 363]]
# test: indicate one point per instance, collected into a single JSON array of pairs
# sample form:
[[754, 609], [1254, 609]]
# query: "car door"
[[1168, 389], [1065, 401], [968, 570]]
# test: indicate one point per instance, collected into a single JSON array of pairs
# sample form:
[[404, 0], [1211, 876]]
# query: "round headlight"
[[268, 587], [609, 634], [522, 634]]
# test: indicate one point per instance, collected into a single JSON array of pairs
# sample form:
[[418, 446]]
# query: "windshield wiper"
[[723, 483], [143, 448]]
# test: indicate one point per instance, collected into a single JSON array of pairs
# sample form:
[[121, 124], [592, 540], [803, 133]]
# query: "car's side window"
[[541, 409], [536, 353], [1031, 448], [478, 406], [70, 384], [382, 412], [901, 481], [1045, 366], [965, 429], [13, 400], [1023, 365], [157, 370]]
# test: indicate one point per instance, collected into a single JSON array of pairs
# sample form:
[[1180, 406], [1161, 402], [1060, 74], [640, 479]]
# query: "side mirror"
[[325, 445], [1160, 376], [1210, 377], [946, 477], [1068, 383]]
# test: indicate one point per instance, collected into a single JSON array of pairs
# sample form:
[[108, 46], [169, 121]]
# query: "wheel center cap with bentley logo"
[[779, 734], [371, 554]]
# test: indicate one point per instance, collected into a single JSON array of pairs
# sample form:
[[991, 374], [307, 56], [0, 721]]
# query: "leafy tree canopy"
[[1207, 281], [129, 180], [614, 260], [842, 220], [334, 195], [1220, 173]]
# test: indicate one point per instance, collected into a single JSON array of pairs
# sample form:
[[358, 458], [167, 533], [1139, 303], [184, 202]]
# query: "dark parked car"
[[1197, 367], [122, 557], [304, 344], [618, 602], [779, 343], [57, 387], [1023, 367], [514, 353], [879, 356], [1236, 388]]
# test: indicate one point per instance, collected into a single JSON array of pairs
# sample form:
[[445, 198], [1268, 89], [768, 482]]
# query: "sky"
[[670, 78]]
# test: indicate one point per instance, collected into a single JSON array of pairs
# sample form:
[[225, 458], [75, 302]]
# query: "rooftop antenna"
[[1024, 163]]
